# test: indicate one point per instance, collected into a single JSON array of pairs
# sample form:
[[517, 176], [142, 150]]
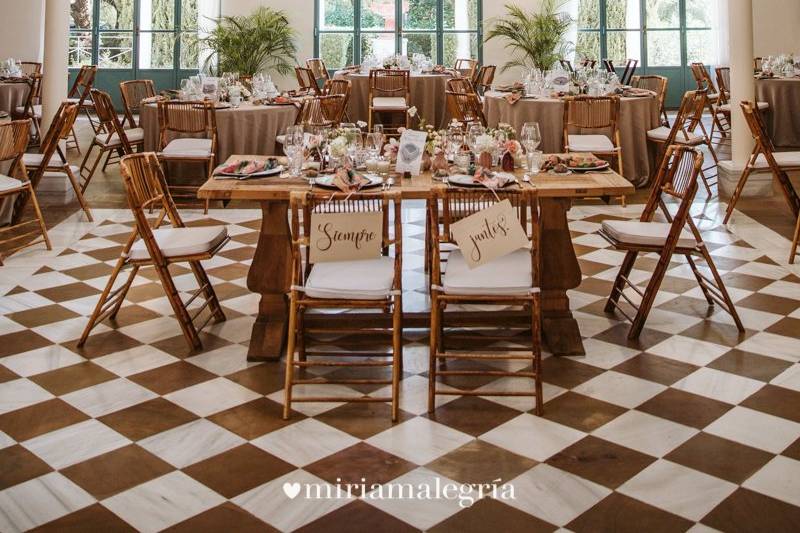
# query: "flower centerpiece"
[[337, 149], [484, 147]]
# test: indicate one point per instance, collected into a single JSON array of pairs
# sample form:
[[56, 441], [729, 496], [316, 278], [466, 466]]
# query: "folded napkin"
[[492, 180], [152, 99], [513, 98], [348, 180], [243, 167], [638, 92], [350, 69], [514, 87]]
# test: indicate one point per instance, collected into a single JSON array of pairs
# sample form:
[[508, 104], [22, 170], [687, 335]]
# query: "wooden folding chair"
[[306, 81], [113, 139], [703, 80], [339, 87], [317, 66], [765, 158], [188, 134], [30, 67], [51, 162], [722, 110], [360, 285], [466, 67], [133, 92], [80, 93], [32, 108], [463, 103], [512, 280], [677, 180], [630, 70], [389, 94], [159, 247], [13, 141], [657, 84], [484, 78], [608, 64], [795, 241]]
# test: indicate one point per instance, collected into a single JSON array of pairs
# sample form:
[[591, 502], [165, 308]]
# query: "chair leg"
[[720, 285], [650, 294], [78, 192], [208, 290], [290, 344], [736, 194], [434, 351], [619, 283], [536, 344], [97, 314], [182, 315], [39, 216], [699, 277], [75, 141], [397, 354], [88, 178], [795, 242]]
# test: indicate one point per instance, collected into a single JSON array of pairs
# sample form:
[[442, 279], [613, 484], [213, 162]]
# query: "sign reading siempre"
[[345, 236], [489, 234]]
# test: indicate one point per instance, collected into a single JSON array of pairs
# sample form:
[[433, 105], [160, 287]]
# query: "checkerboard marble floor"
[[694, 427]]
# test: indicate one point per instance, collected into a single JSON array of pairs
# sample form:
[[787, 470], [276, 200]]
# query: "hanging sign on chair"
[[345, 236], [489, 234]]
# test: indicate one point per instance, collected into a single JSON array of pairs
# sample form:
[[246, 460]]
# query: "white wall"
[[22, 30], [775, 27]]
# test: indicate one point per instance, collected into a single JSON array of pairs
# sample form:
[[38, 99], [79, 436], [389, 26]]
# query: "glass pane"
[[377, 15], [190, 51], [460, 14], [623, 14], [336, 15], [587, 45], [156, 50], [419, 14], [116, 14], [379, 44], [115, 50], [623, 45], [589, 14], [419, 43], [663, 14], [458, 46], [189, 14], [664, 48], [81, 12], [156, 14], [80, 48], [700, 47], [699, 13], [336, 49]]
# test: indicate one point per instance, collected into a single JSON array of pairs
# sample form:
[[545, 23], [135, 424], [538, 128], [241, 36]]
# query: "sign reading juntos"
[[489, 234], [345, 236]]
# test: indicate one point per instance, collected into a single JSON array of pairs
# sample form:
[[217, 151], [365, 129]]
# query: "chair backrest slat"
[[84, 82], [13, 141], [306, 80], [190, 117], [107, 116], [133, 92], [389, 83], [319, 69]]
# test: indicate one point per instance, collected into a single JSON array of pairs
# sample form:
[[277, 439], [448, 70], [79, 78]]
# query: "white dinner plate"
[[462, 180], [327, 181]]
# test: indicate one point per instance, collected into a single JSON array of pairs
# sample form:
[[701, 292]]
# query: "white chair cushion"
[[9, 184], [35, 160], [76, 171], [509, 275], [645, 233], [713, 96], [389, 102], [134, 135], [590, 143], [176, 242], [661, 134], [784, 159], [726, 108], [37, 110], [367, 279], [188, 148], [87, 102]]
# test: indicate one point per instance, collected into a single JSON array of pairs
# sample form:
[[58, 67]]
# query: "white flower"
[[456, 123], [400, 130], [361, 124], [484, 143], [338, 147], [412, 111]]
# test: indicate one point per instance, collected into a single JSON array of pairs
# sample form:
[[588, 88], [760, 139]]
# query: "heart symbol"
[[410, 152], [291, 489]]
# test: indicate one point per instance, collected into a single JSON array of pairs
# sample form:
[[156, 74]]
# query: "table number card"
[[409, 156], [489, 234], [345, 236]]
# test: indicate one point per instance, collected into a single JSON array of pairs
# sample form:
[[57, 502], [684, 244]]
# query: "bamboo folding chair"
[[114, 139], [51, 161], [307, 81], [13, 141], [723, 108], [188, 134], [677, 180], [630, 70], [463, 103], [703, 80], [339, 87], [765, 158], [321, 111], [32, 108], [360, 285], [588, 63], [512, 280], [80, 93], [657, 84], [319, 69], [133, 93], [484, 78], [466, 67], [389, 93], [30, 68], [159, 247], [795, 241]]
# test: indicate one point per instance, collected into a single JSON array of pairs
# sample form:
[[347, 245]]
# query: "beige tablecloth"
[[12, 95], [637, 116], [783, 118], [427, 95]]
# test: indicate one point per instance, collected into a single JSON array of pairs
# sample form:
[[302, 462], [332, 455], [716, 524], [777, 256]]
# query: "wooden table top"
[[586, 185]]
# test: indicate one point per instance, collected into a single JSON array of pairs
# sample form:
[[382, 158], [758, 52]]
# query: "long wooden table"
[[270, 277]]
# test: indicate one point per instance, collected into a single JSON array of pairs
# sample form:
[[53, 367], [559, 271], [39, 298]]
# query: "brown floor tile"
[[90, 271], [225, 517], [105, 254], [229, 272], [491, 515], [788, 327], [793, 450], [473, 415], [672, 284], [92, 518], [621, 514], [117, 471], [567, 373], [769, 303], [238, 470], [172, 377], [6, 374], [719, 457], [145, 292], [18, 465], [357, 517], [688, 306], [178, 347], [263, 379], [745, 281], [724, 334], [40, 316], [21, 341], [100, 344], [71, 291], [750, 365], [148, 418], [746, 511], [131, 314], [465, 382], [777, 401], [619, 335], [590, 268], [655, 368], [685, 408], [39, 418], [481, 462], [253, 419], [242, 253], [581, 412], [725, 263], [226, 291], [601, 461], [362, 420], [598, 287], [360, 461], [74, 377]]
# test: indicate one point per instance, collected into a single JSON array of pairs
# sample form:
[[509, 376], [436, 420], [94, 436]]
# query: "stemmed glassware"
[[531, 137], [294, 148], [454, 140], [475, 131]]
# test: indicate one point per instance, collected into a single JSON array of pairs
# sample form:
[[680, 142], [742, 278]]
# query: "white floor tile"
[[39, 501], [41, 360], [754, 428], [191, 443], [135, 360], [780, 478], [319, 440], [19, 393], [75, 443], [108, 397], [532, 436], [212, 396], [688, 350], [645, 433], [620, 389], [718, 385], [419, 440]]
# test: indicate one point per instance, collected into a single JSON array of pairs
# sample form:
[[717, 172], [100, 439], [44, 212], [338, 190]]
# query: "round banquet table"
[[12, 95], [637, 116], [783, 118], [246, 130], [427, 95]]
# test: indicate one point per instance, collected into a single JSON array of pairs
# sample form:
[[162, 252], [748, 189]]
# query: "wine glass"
[[454, 140], [531, 136], [293, 147], [475, 131]]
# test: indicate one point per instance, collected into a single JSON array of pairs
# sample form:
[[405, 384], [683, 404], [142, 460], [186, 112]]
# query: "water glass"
[[534, 158]]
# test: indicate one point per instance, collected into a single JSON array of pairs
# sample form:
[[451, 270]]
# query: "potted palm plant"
[[260, 42], [535, 39]]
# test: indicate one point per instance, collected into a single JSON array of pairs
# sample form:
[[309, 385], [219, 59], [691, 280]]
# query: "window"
[[444, 30]]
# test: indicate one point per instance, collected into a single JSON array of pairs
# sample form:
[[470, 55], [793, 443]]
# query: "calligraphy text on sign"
[[488, 234], [345, 236]]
